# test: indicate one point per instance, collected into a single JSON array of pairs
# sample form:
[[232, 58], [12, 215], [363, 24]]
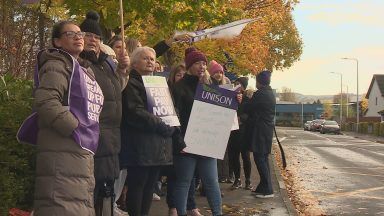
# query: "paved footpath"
[[241, 201]]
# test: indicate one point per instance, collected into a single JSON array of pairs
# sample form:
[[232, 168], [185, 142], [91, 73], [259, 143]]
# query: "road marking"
[[355, 167], [363, 174], [351, 193], [354, 195]]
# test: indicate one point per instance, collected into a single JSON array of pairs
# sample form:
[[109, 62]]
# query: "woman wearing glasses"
[[64, 169]]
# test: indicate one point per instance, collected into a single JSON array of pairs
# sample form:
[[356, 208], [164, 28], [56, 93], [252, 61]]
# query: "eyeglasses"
[[90, 35], [72, 34]]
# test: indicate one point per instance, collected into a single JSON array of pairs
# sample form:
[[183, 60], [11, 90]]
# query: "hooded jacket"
[[64, 171]]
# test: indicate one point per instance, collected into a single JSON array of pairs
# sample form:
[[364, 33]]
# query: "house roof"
[[380, 81]]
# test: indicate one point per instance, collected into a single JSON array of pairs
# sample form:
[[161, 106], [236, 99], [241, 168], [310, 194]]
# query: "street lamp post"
[[347, 100], [341, 95], [357, 91]]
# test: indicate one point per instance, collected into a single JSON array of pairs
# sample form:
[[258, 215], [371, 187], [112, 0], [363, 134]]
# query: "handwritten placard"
[[210, 122]]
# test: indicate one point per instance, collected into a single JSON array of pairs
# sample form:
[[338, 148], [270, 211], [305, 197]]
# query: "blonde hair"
[[131, 45], [206, 78]]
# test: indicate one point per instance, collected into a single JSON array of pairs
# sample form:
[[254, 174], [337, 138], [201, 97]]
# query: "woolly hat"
[[243, 81], [264, 77], [192, 55], [91, 23], [214, 67]]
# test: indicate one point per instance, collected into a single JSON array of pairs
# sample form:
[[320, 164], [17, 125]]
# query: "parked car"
[[307, 125], [330, 127], [315, 125]]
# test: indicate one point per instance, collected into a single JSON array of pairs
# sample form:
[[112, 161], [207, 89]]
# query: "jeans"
[[171, 179], [141, 181], [262, 164], [185, 166]]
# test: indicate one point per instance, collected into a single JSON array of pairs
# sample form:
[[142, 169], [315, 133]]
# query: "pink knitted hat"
[[214, 67]]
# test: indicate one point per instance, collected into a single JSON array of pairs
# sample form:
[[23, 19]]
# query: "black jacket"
[[259, 125], [183, 94], [146, 140], [107, 154]]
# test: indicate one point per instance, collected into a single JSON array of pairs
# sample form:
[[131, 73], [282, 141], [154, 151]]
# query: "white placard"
[[208, 129]]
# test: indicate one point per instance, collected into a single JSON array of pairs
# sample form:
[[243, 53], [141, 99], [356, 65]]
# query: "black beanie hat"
[[91, 23], [243, 81], [264, 77]]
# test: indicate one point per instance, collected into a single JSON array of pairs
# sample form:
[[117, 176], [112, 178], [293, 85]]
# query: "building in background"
[[375, 96]]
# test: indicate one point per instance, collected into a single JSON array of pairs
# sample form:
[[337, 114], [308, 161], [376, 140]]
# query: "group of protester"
[[133, 142]]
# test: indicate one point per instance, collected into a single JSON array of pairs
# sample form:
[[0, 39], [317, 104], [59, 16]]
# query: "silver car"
[[330, 127], [307, 125]]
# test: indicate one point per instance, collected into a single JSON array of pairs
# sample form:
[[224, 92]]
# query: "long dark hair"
[[113, 40], [57, 30]]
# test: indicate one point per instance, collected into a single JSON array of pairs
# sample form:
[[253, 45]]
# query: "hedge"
[[17, 162]]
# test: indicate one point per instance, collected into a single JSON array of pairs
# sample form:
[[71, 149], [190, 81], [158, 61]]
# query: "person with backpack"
[[112, 79]]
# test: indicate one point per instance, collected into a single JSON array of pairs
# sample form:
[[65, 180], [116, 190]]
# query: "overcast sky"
[[332, 29]]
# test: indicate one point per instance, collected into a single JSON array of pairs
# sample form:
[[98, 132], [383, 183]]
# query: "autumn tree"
[[271, 42], [287, 95], [363, 106], [328, 111]]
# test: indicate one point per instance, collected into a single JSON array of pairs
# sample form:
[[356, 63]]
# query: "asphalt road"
[[345, 174]]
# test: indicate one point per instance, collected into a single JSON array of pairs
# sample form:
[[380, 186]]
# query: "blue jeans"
[[185, 166], [171, 179]]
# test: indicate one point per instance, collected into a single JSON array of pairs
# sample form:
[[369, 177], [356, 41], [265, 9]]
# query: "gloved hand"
[[165, 130]]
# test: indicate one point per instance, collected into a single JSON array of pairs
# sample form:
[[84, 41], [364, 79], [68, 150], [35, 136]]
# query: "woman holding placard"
[[146, 139], [185, 164]]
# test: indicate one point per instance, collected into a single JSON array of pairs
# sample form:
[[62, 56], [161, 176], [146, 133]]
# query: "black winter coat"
[[146, 140], [107, 154], [183, 94], [259, 125]]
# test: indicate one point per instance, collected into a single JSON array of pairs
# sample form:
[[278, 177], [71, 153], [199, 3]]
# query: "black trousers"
[[262, 164], [235, 148], [141, 181], [223, 170], [103, 190]]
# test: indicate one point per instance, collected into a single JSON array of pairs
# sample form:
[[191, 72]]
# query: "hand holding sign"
[[124, 61], [159, 99]]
